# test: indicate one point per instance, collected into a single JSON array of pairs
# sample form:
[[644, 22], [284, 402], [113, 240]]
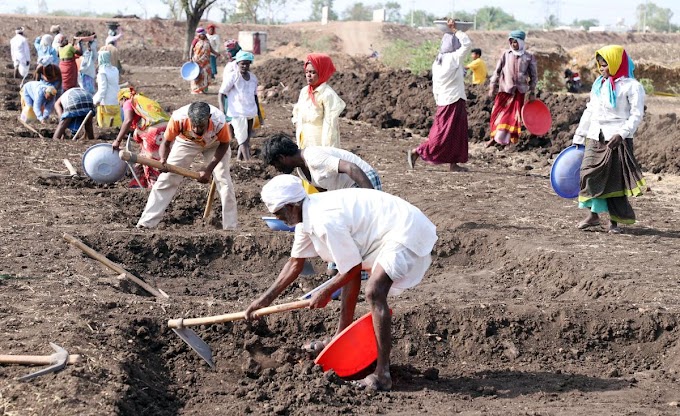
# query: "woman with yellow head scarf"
[[147, 119], [609, 171]]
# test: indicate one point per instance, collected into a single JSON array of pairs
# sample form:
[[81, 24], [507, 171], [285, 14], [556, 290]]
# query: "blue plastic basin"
[[190, 71], [565, 174], [278, 225], [102, 164]]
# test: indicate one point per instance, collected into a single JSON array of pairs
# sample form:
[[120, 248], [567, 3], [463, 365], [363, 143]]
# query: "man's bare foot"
[[315, 346], [374, 382], [490, 143], [457, 168]]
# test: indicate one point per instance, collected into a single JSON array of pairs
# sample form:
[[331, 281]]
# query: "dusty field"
[[519, 314]]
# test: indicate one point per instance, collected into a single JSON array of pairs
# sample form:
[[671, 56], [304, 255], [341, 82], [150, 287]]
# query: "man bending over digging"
[[357, 229]]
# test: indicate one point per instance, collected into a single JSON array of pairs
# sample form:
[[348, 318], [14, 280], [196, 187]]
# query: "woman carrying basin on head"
[[609, 172]]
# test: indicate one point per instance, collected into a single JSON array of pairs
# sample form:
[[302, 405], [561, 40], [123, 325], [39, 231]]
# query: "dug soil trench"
[[519, 314]]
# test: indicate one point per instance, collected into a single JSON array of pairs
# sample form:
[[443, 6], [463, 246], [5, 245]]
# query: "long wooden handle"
[[179, 323], [70, 168], [35, 359], [211, 197], [82, 125], [135, 158], [113, 266], [30, 128]]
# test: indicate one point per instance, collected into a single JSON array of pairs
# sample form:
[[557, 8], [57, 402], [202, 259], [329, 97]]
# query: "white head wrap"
[[282, 190]]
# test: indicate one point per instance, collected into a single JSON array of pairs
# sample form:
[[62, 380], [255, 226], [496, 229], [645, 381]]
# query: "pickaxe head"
[[196, 343], [58, 360]]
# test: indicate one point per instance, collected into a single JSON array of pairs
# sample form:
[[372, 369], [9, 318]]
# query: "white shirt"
[[21, 52], [623, 119], [240, 93], [350, 226], [447, 77], [214, 41], [108, 85], [317, 125], [323, 162]]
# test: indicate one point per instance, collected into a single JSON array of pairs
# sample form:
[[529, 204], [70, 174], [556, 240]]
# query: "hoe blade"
[[196, 343]]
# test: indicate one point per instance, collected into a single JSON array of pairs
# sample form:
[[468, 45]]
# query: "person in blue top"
[[47, 55], [37, 101]]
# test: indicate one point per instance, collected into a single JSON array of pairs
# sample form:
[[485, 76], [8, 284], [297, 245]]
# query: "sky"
[[530, 11]]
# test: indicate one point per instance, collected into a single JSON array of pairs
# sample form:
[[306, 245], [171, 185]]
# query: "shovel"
[[203, 349]]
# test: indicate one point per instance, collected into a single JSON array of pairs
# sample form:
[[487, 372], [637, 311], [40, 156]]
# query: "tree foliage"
[[651, 17], [358, 12], [317, 5], [585, 23], [174, 8], [392, 11], [495, 18], [419, 17]]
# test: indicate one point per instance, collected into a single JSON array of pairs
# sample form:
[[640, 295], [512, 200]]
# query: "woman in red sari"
[[515, 75], [200, 53]]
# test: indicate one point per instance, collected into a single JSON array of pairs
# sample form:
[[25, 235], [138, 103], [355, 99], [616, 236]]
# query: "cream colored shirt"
[[350, 226], [317, 125], [623, 119]]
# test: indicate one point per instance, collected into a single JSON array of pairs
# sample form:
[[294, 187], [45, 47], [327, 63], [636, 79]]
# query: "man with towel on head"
[[357, 229]]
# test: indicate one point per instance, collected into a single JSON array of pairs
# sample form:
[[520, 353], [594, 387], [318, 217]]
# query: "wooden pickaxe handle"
[[180, 323], [135, 158], [36, 359], [211, 197], [30, 128], [113, 266], [82, 125]]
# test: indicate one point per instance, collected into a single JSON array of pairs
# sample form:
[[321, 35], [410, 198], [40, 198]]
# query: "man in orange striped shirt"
[[193, 129]]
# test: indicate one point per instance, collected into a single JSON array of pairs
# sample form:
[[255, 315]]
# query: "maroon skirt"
[[448, 138]]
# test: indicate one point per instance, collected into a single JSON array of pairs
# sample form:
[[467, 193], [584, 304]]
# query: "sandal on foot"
[[615, 230], [585, 225]]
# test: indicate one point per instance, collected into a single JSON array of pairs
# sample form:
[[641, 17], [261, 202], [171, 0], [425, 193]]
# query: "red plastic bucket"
[[352, 350], [536, 117]]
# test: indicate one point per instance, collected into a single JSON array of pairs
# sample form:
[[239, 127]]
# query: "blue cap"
[[517, 34], [244, 56]]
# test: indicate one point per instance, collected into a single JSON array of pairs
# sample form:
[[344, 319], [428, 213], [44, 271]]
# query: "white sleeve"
[[303, 247], [636, 99], [103, 86], [584, 124], [228, 81]]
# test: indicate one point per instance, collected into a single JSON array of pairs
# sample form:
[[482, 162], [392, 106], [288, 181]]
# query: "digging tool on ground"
[[115, 267], [135, 158], [82, 125], [56, 361], [71, 169], [203, 349], [211, 197], [30, 128]]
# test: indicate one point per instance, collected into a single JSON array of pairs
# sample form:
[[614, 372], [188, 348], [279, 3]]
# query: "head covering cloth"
[[126, 93], [282, 190], [51, 91], [46, 41], [324, 68], [55, 29], [450, 43], [200, 31], [519, 36], [244, 56], [104, 58], [19, 30], [211, 25], [620, 66]]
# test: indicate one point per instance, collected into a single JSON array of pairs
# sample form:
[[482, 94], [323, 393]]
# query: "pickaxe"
[[57, 361], [163, 167], [203, 349]]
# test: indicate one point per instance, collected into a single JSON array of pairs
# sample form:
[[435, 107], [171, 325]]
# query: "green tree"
[[585, 23], [551, 22], [392, 11], [495, 18], [317, 5], [419, 18], [358, 12], [653, 18]]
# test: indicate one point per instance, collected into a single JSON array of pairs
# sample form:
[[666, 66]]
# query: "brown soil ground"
[[519, 314]]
